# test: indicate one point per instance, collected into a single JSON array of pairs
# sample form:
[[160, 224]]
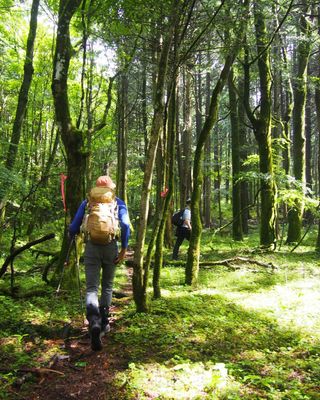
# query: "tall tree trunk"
[[207, 165], [144, 107], [235, 147], [85, 35], [192, 266], [185, 176], [308, 215], [198, 95], [244, 185], [286, 112], [216, 169], [158, 258], [23, 93], [139, 285], [72, 138], [309, 153], [317, 104], [89, 116], [262, 131], [300, 94], [122, 137]]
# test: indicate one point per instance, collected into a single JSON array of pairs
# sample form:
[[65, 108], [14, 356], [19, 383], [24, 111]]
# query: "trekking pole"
[[62, 273], [65, 263], [79, 282]]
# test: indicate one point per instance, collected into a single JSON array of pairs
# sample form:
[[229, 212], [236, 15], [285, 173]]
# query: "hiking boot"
[[95, 330], [105, 329], [104, 314]]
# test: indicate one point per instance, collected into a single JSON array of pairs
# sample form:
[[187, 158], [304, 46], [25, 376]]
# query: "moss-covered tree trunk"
[[268, 234], [237, 233], [262, 131], [170, 157], [139, 287], [184, 147], [317, 104], [207, 185], [299, 95], [122, 143], [22, 101], [72, 138], [243, 143], [192, 266], [286, 111]]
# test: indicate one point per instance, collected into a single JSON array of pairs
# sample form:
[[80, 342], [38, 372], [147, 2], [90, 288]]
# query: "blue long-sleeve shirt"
[[123, 216]]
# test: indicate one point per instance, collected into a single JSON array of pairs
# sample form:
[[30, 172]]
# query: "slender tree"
[[317, 103], [139, 284], [235, 148], [72, 138], [192, 266], [122, 136], [23, 93], [208, 164], [262, 130], [158, 259], [300, 95]]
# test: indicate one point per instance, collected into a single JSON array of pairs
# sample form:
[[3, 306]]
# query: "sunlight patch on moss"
[[180, 380], [295, 304]]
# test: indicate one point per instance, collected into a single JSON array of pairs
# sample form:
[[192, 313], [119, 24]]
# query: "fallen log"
[[19, 250], [15, 294], [228, 262]]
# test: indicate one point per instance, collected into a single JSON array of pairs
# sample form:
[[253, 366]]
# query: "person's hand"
[[121, 256]]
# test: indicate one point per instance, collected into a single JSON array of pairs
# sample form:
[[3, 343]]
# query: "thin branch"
[[10, 258], [274, 34], [240, 213], [184, 57]]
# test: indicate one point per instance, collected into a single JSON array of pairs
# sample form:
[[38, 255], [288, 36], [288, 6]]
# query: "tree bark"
[[300, 94], [309, 153], [262, 131], [72, 138], [122, 137], [208, 164], [317, 104], [158, 259], [235, 148], [139, 289], [23, 94], [192, 266], [185, 176], [243, 143]]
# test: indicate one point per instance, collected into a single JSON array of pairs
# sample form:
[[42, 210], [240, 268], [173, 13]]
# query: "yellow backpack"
[[101, 223]]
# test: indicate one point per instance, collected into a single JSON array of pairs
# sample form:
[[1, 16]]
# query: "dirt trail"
[[82, 373]]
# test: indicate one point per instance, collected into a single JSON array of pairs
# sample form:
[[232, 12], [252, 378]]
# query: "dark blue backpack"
[[177, 218]]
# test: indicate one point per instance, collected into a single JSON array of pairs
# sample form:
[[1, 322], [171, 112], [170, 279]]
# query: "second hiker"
[[183, 231]]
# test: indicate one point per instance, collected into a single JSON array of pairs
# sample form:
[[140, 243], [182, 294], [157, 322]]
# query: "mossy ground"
[[249, 333]]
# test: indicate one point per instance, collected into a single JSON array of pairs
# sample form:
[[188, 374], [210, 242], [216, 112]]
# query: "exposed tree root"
[[38, 371]]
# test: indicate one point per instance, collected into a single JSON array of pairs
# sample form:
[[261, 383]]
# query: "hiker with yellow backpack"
[[103, 219]]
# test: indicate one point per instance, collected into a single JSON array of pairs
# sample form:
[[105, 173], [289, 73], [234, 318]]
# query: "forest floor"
[[80, 373], [248, 331]]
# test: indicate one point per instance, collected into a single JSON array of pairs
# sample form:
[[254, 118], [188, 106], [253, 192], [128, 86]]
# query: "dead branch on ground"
[[19, 250], [229, 262]]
